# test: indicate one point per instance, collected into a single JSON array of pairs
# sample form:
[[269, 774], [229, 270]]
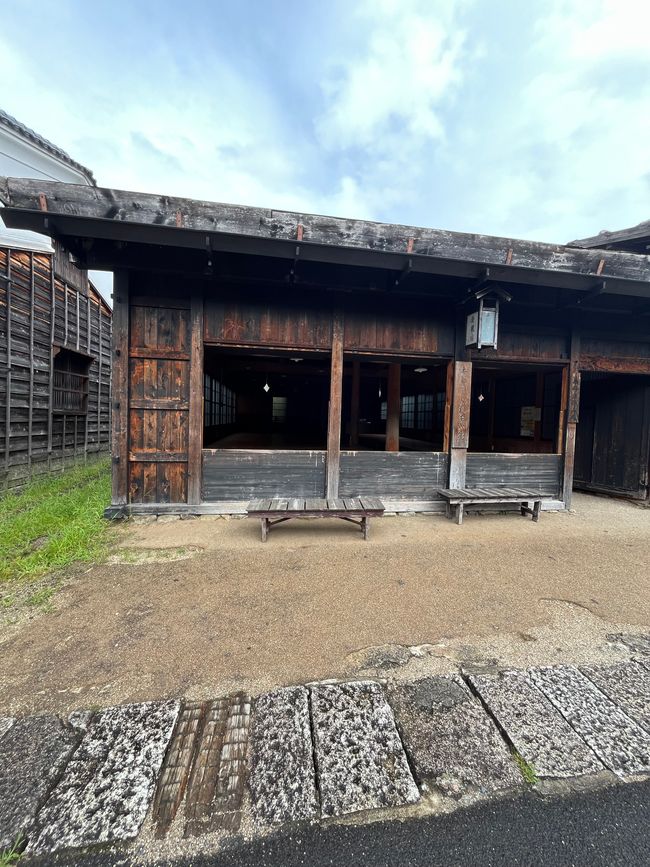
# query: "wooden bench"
[[461, 497], [358, 510]]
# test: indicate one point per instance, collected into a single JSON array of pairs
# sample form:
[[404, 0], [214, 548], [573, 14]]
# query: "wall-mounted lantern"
[[482, 325]]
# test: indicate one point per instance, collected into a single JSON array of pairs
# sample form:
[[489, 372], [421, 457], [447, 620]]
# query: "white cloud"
[[409, 64]]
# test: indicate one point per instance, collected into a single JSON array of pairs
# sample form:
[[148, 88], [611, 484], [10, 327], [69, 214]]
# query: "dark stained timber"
[[34, 437]]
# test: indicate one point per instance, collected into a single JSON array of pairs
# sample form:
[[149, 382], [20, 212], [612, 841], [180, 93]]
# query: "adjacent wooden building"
[[55, 365], [261, 353]]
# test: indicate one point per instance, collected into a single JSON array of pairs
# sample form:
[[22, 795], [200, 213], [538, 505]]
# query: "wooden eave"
[[94, 213]]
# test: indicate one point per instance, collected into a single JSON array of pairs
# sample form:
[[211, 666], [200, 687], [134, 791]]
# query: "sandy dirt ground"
[[199, 607]]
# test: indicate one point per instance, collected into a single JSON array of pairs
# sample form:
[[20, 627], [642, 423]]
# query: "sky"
[[522, 119]]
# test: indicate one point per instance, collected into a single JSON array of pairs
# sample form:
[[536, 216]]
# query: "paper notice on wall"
[[529, 415]]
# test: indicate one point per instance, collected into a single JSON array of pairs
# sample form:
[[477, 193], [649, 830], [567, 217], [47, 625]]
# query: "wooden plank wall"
[[394, 475], [38, 310], [393, 325], [238, 474], [541, 473], [159, 399]]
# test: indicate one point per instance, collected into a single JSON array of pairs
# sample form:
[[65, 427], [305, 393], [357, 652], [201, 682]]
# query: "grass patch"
[[12, 855], [528, 772], [52, 523]]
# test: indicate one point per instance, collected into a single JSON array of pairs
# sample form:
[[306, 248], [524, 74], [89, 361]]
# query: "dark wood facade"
[[55, 365], [358, 306]]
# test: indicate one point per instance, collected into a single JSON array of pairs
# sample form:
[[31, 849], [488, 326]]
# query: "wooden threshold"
[[238, 508]]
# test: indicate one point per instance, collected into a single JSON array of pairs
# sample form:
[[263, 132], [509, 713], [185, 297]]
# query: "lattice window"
[[70, 383], [219, 402], [408, 411]]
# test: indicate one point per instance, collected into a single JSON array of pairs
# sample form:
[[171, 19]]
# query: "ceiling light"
[[420, 369], [296, 359]]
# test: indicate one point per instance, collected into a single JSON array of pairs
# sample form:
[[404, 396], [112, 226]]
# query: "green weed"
[[528, 772], [13, 854]]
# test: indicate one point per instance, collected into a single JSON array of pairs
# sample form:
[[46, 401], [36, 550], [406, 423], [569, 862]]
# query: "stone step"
[[535, 728], [627, 684], [283, 776], [453, 744], [618, 741], [33, 752], [107, 786], [360, 761]]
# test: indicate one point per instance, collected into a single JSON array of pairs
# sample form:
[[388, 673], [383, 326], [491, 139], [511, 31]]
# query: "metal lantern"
[[482, 325]]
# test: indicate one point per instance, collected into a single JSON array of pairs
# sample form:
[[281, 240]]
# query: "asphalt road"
[[607, 827]]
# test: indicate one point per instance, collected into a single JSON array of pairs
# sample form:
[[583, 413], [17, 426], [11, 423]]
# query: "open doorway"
[[516, 409], [265, 400], [613, 435], [414, 392]]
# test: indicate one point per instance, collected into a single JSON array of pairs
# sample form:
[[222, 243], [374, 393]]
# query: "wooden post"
[[9, 361], [334, 414], [460, 423], [572, 418], [32, 291], [195, 433], [449, 388], [50, 417], [539, 404], [354, 404], [393, 407], [564, 402], [120, 387]]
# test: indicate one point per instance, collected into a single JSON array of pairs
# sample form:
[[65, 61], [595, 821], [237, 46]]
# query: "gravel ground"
[[316, 601]]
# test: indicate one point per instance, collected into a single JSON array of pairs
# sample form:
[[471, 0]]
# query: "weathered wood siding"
[[540, 473], [38, 312], [613, 436], [526, 344], [159, 396], [239, 474], [299, 322], [393, 475]]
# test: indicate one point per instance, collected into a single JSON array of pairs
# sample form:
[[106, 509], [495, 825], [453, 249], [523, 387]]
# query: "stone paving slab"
[[106, 788], [452, 742], [282, 776], [619, 742], [538, 732], [33, 753], [6, 723], [360, 761], [627, 684]]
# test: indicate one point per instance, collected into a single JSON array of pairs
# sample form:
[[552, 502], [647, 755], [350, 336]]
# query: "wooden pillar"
[[354, 404], [8, 385], [449, 389], [393, 407], [120, 388], [460, 423], [195, 445], [572, 418], [334, 413], [539, 404]]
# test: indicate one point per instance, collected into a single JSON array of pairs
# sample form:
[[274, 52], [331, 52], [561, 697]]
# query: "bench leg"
[[536, 510], [265, 529], [524, 510], [459, 513], [365, 522], [448, 510]]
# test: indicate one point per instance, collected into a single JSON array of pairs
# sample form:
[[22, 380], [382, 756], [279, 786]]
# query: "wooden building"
[[55, 331], [261, 353], [55, 365]]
